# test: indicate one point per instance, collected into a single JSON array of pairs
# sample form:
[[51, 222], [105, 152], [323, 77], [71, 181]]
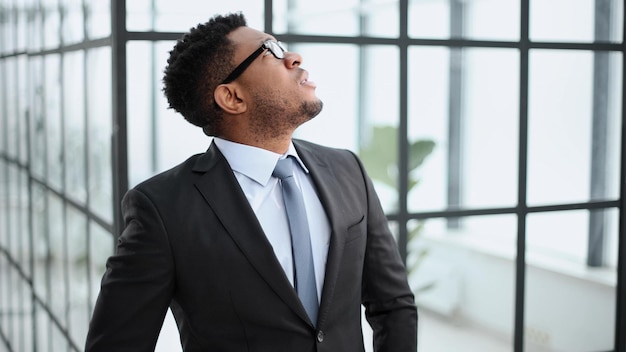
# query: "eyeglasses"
[[276, 48]]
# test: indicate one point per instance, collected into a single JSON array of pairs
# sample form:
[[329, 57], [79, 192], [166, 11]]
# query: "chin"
[[312, 108]]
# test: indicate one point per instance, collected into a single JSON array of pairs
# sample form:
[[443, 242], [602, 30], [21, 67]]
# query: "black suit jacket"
[[192, 242]]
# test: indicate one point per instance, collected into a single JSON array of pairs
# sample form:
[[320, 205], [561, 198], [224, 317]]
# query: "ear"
[[228, 97]]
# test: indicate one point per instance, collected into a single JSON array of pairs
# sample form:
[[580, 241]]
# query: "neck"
[[275, 139], [276, 145]]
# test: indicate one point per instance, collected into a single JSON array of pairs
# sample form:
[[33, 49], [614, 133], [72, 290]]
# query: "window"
[[492, 129]]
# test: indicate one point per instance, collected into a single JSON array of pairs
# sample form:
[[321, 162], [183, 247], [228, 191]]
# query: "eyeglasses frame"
[[267, 45]]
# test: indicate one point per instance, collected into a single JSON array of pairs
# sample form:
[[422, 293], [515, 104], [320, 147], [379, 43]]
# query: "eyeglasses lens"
[[276, 48]]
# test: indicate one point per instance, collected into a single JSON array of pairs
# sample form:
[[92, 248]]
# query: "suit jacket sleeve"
[[386, 295], [137, 285]]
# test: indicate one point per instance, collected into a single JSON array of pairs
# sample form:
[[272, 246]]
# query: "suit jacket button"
[[320, 336]]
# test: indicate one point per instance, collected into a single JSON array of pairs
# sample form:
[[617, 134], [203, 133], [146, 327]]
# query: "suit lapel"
[[327, 188], [222, 192]]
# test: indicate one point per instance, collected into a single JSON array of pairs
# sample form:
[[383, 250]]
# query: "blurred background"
[[493, 131]]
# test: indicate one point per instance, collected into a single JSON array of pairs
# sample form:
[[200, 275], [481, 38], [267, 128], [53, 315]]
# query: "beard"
[[276, 117]]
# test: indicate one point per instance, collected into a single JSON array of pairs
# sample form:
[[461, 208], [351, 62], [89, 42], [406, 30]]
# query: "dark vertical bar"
[[363, 130], [620, 315], [86, 160], [455, 101], [403, 128], [268, 16], [154, 122], [119, 144], [596, 234], [64, 166], [522, 212]]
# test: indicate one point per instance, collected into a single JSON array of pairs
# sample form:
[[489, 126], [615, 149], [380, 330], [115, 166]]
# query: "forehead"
[[246, 40]]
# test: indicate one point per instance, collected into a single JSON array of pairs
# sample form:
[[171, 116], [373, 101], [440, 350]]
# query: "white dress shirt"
[[253, 169]]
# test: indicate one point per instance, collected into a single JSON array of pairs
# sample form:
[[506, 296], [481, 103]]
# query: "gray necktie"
[[300, 238]]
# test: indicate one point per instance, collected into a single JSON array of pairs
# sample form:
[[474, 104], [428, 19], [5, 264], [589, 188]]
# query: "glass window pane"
[[77, 272], [41, 244], [176, 139], [8, 278], [491, 19], [475, 19], [379, 116], [58, 340], [161, 138], [7, 33], [337, 87], [22, 229], [4, 199], [56, 275], [13, 230], [141, 112], [559, 235], [562, 115], [332, 17], [101, 245], [464, 282], [564, 235], [51, 23], [4, 131], [74, 124], [559, 286], [379, 18], [429, 96], [608, 223], [22, 108], [21, 25], [10, 109], [34, 25], [179, 16], [5, 285], [98, 13], [429, 19], [99, 142], [489, 128], [139, 15], [576, 20], [54, 150], [463, 91], [73, 24], [360, 104], [37, 117], [43, 328], [20, 304]]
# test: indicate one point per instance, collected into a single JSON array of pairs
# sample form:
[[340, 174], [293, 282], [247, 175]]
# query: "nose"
[[292, 59]]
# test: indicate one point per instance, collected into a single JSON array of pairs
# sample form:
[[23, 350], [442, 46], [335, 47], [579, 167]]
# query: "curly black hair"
[[199, 61]]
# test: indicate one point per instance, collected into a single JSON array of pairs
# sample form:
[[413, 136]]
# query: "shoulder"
[[310, 148], [175, 175], [342, 162]]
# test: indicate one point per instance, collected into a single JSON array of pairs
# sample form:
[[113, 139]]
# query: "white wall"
[[568, 307]]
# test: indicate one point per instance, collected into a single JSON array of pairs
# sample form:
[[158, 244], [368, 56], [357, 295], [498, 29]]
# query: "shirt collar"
[[253, 162]]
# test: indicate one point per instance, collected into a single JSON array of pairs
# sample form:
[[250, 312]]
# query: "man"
[[212, 238]]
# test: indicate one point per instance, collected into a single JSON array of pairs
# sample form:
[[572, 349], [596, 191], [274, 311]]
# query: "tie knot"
[[284, 168]]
